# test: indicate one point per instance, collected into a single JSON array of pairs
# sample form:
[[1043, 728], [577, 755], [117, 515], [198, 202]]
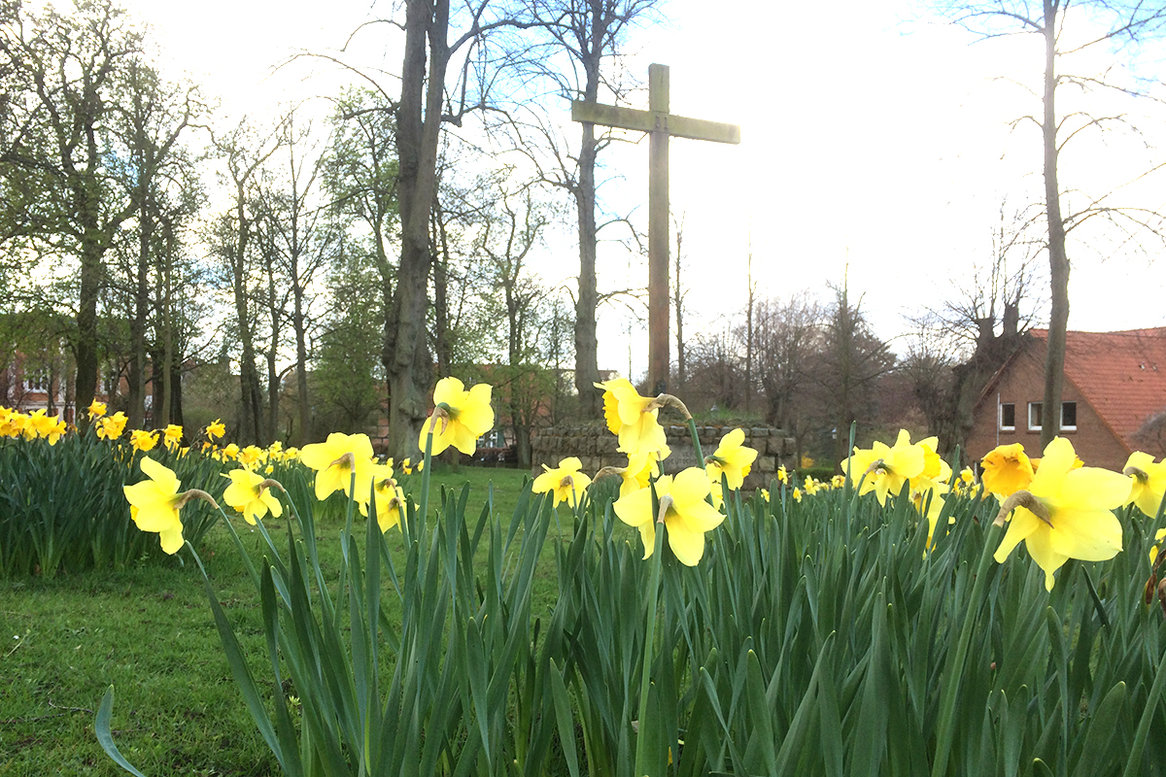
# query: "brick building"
[[1113, 401]]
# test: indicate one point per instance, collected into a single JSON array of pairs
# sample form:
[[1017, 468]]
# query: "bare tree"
[[679, 294], [1120, 23], [423, 107], [787, 338], [962, 342], [234, 233], [851, 362], [581, 36], [509, 234]]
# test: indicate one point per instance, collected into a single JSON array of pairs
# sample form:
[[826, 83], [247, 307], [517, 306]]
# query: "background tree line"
[[315, 271]]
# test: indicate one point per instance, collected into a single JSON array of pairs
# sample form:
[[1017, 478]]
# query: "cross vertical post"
[[658, 231], [660, 126]]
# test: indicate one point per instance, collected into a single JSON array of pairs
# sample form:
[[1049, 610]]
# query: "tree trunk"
[[137, 372], [586, 342], [1058, 258], [441, 344], [92, 249], [418, 124], [249, 409], [303, 406]]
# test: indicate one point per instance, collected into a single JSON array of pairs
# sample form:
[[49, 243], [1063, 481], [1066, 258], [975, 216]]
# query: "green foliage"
[[63, 510], [347, 383], [815, 637]]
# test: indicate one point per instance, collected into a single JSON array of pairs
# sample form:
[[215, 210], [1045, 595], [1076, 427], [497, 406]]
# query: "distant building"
[[1113, 401]]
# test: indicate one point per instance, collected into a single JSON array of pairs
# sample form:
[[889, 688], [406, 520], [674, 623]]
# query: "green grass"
[[149, 632]]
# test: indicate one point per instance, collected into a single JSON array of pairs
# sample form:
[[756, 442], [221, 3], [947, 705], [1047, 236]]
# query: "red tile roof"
[[1121, 374]]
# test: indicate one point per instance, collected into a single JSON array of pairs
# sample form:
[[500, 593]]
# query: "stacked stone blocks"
[[595, 447]]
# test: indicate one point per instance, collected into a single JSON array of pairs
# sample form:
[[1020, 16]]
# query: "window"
[[37, 380], [1007, 417], [1036, 415]]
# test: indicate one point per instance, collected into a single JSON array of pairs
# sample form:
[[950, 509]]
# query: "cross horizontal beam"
[[653, 121]]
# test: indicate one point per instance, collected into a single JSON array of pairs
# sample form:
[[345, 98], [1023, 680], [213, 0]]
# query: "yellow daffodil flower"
[[1148, 485], [460, 417], [1158, 537], [56, 432], [172, 436], [885, 470], [250, 494], [565, 481], [111, 427], [732, 458], [154, 504], [935, 469], [39, 424], [142, 440], [96, 410], [335, 461], [1066, 512], [928, 502], [388, 497], [796, 494], [810, 486], [1007, 469], [633, 419], [639, 471], [251, 456], [687, 513], [216, 429], [782, 474]]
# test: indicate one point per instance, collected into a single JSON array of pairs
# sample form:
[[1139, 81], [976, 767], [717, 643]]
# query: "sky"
[[878, 149]]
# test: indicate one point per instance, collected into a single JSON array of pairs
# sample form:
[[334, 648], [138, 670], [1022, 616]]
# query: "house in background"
[[1113, 401], [30, 384]]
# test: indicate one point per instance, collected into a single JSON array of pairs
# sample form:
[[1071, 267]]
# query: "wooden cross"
[[661, 125]]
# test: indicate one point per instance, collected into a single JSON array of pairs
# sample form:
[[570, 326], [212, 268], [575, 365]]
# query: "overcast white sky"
[[875, 138]]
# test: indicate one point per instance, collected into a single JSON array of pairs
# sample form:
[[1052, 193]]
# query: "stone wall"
[[595, 446]]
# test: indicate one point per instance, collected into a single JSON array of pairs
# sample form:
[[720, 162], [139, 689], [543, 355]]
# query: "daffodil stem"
[[695, 440], [1134, 764], [955, 667], [643, 757], [426, 461], [239, 546]]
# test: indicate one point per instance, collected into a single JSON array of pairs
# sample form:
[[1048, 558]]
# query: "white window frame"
[[1068, 427], [38, 381], [1000, 417], [1031, 426]]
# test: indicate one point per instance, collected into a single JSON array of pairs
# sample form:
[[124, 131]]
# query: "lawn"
[[150, 633]]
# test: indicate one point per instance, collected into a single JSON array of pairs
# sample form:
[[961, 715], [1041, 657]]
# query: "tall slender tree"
[[581, 36], [1090, 28], [56, 132]]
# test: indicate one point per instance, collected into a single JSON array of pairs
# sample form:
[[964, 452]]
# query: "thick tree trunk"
[[586, 341], [418, 123], [1058, 258], [92, 250]]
